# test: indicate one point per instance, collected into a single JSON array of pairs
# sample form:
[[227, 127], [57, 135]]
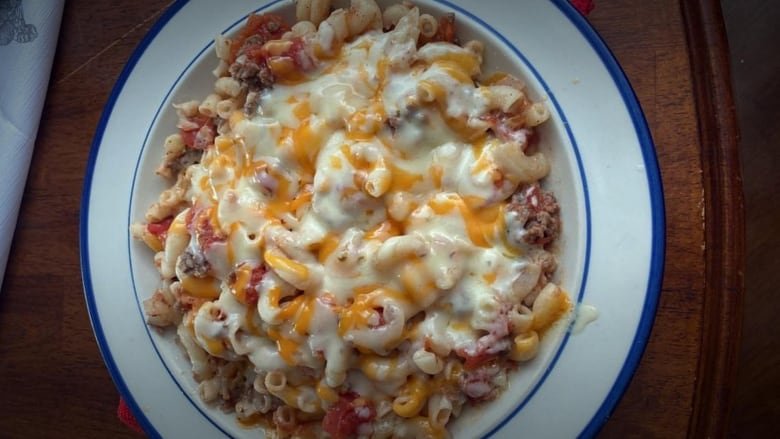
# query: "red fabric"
[[126, 416], [123, 411], [584, 6]]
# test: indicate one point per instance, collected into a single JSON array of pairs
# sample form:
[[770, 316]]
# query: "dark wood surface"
[[752, 31], [53, 382], [724, 252]]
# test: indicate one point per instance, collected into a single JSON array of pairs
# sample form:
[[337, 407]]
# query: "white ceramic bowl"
[[604, 175]]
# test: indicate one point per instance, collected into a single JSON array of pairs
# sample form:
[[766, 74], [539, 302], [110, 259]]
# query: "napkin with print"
[[28, 40], [123, 411]]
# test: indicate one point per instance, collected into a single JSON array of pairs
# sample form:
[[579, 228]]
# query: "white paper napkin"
[[28, 40]]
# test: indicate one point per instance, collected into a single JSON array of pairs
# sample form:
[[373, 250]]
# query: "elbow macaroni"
[[341, 239]]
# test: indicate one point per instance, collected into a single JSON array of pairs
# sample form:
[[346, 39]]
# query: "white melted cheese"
[[368, 205]]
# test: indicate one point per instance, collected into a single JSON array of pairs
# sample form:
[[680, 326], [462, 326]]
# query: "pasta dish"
[[356, 241]]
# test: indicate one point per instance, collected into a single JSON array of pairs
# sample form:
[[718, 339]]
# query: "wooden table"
[[53, 382]]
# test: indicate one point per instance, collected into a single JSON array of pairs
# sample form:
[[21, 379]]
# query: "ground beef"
[[160, 310], [537, 212], [204, 137], [548, 264], [172, 166], [243, 69], [194, 263], [223, 125], [252, 103], [233, 383], [345, 417], [255, 76], [187, 159], [483, 383], [497, 328]]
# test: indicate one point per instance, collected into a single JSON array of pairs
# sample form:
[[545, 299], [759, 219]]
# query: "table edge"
[[723, 217]]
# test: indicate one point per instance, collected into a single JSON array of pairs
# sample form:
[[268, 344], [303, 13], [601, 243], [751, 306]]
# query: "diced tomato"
[[506, 129], [206, 233], [299, 56], [252, 297], [296, 53], [189, 136], [507, 133], [257, 275], [345, 416], [160, 228], [251, 289], [446, 29], [199, 223], [475, 360], [256, 53], [267, 27]]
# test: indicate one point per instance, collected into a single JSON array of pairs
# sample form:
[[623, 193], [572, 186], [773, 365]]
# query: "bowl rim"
[[652, 172]]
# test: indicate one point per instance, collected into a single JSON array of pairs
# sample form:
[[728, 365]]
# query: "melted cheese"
[[243, 276], [204, 288], [281, 263], [285, 346], [306, 188], [483, 225]]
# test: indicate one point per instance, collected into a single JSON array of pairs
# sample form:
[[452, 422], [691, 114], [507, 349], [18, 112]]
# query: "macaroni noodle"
[[355, 241]]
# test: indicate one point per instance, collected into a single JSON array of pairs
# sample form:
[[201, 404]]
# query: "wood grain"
[[752, 28], [52, 379], [659, 400], [51, 375], [725, 252]]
